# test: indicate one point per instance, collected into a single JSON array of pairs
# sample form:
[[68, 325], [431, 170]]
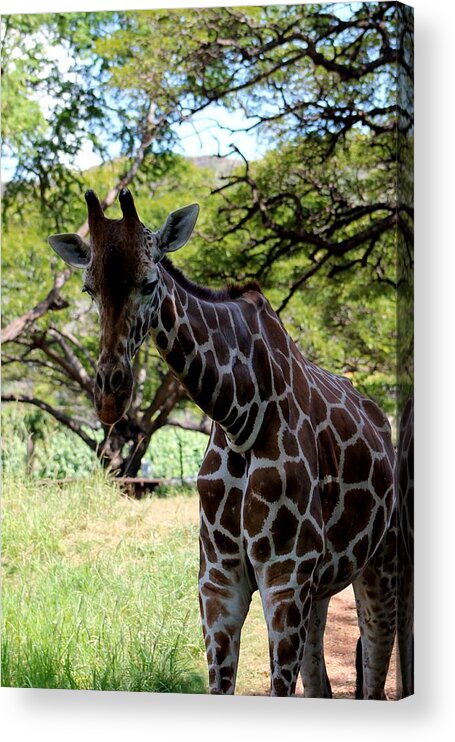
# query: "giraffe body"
[[296, 486], [297, 511], [405, 550]]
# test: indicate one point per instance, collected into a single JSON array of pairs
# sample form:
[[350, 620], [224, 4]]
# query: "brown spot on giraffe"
[[213, 492], [278, 572], [224, 543], [229, 518], [329, 454], [318, 408], [236, 465], [357, 462], [255, 514], [343, 423], [330, 499], [223, 402], [267, 440], [284, 530], [358, 507], [266, 483], [309, 539], [261, 549]]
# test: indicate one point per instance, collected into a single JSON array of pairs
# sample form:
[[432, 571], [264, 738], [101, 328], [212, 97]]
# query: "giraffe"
[[405, 552], [399, 544], [296, 486]]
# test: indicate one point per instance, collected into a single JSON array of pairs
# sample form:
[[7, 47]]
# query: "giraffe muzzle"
[[113, 393]]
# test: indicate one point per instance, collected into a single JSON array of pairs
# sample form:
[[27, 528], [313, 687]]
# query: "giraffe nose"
[[113, 391], [108, 381]]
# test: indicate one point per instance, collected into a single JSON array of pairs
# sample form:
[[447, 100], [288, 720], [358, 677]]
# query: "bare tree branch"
[[204, 426], [66, 420]]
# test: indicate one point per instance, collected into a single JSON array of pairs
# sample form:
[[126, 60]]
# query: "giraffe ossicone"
[[296, 486]]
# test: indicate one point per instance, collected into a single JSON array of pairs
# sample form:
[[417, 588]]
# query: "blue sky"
[[210, 132]]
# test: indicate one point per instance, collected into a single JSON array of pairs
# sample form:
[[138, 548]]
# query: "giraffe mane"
[[228, 293]]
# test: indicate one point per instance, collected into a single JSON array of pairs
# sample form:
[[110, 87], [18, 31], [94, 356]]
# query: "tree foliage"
[[315, 219]]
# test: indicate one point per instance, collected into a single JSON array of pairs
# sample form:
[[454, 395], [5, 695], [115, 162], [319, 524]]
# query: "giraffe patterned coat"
[[296, 486]]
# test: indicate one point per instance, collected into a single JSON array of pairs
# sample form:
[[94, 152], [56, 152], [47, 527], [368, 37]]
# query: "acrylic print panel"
[[225, 446]]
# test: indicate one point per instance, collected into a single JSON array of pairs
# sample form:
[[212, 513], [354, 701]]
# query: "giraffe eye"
[[148, 287], [86, 290]]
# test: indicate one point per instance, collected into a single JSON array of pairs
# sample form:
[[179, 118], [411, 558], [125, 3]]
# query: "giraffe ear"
[[71, 248], [177, 229]]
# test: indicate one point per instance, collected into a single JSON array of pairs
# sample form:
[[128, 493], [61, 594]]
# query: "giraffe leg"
[[377, 632], [359, 670], [405, 629], [226, 581], [313, 670], [405, 522], [285, 551], [224, 605], [287, 609], [375, 593]]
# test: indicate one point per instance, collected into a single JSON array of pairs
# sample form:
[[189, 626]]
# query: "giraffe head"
[[120, 274]]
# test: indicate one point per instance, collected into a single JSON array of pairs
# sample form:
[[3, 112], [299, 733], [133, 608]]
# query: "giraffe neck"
[[209, 346]]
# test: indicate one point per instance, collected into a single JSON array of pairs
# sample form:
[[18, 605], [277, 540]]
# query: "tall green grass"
[[97, 592]]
